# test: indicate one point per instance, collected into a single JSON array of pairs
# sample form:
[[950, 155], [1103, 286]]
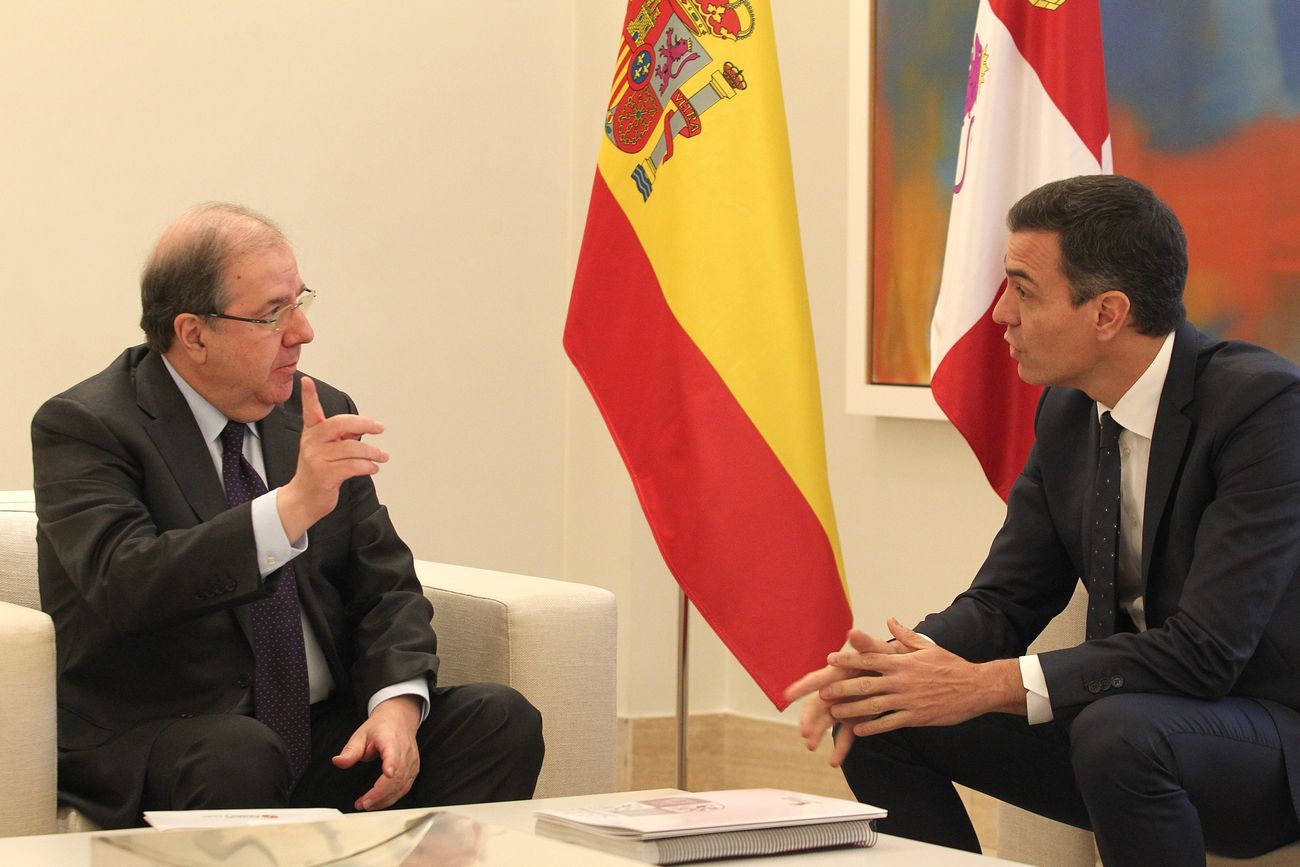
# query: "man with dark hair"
[[237, 622], [1114, 234], [1165, 475]]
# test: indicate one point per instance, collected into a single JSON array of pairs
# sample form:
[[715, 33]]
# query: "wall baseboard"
[[728, 751]]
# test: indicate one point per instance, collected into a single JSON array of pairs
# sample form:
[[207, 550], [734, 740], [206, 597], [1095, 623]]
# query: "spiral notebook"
[[701, 826]]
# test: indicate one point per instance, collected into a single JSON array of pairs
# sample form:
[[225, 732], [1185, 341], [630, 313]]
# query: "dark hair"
[[1115, 234], [185, 272]]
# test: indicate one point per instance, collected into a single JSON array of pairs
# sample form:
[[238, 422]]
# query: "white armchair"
[[1032, 839], [552, 640], [26, 678]]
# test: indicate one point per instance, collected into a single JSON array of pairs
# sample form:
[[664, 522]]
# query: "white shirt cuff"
[[416, 686], [1038, 706], [273, 547]]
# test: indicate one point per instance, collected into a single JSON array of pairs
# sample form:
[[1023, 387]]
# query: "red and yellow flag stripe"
[[689, 322]]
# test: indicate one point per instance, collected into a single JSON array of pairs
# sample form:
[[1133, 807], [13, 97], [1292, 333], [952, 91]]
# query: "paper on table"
[[407, 838], [171, 819]]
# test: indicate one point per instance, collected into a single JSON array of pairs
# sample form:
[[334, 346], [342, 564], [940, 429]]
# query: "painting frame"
[[862, 397]]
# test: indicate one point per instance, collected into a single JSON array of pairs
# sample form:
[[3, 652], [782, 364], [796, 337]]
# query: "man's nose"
[[1004, 311], [299, 330]]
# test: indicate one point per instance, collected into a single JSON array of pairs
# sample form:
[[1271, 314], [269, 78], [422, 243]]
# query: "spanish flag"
[[689, 323]]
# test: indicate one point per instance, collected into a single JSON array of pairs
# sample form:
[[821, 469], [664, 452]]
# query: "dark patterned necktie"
[[1104, 539], [280, 694]]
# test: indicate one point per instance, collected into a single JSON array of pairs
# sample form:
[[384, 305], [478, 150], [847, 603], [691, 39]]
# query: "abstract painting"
[[1204, 100]]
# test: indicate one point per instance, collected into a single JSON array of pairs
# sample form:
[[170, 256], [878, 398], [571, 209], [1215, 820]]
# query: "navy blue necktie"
[[280, 695], [1104, 538]]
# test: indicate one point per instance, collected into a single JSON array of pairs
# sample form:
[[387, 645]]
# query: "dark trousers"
[[480, 742], [1158, 779]]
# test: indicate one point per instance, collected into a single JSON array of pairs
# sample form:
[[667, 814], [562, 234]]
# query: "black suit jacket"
[[148, 575], [1220, 544]]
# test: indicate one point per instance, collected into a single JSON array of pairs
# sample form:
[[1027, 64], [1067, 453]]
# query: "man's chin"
[[278, 391], [1027, 375]]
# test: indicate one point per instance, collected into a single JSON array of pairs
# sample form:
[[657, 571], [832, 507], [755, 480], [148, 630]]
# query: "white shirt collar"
[[211, 420], [1136, 409]]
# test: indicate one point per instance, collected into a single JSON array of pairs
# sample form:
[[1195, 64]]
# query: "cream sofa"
[[1031, 839], [554, 641]]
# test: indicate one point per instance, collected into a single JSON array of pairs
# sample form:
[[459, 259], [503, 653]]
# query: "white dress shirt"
[[1135, 412], [274, 548]]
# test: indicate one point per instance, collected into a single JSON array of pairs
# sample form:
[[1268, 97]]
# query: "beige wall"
[[432, 162]]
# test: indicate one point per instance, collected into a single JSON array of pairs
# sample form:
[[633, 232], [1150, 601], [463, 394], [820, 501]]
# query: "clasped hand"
[[875, 686], [330, 452]]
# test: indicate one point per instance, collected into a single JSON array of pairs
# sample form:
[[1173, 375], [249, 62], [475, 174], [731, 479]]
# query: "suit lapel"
[[1071, 466], [1169, 438], [177, 437], [280, 433]]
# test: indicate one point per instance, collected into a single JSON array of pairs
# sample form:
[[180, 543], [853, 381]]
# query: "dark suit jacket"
[[148, 575], [1220, 544]]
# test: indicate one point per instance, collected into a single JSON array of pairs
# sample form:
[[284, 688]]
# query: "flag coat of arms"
[[689, 323], [1035, 111]]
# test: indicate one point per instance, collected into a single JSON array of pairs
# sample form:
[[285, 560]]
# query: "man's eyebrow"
[[1021, 275], [277, 301], [282, 300]]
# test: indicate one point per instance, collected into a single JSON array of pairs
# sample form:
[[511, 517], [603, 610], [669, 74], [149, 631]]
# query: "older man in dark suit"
[[1166, 474], [237, 622]]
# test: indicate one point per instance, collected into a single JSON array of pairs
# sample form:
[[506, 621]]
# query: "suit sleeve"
[[91, 484], [387, 615], [1026, 580]]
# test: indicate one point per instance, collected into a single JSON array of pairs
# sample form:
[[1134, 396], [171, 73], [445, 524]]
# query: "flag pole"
[[684, 611]]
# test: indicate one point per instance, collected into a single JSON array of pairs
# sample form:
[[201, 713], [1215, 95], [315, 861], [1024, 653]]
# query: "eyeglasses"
[[280, 315]]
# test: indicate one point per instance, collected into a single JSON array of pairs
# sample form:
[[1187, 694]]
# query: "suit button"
[[243, 681], [1117, 681], [1094, 686]]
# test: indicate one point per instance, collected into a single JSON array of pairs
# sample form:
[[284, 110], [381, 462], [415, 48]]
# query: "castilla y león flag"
[[689, 322], [1035, 112]]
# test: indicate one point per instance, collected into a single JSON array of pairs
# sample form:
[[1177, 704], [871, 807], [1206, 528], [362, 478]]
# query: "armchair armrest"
[[554, 641], [27, 721]]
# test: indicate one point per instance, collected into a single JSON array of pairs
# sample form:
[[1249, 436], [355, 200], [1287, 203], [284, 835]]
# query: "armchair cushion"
[[554, 641]]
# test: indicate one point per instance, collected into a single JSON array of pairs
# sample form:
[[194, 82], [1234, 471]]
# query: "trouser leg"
[[1167, 777], [218, 761], [480, 742], [1158, 778], [484, 744], [910, 773]]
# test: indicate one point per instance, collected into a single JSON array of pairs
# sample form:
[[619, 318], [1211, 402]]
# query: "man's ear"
[[188, 330], [1113, 308]]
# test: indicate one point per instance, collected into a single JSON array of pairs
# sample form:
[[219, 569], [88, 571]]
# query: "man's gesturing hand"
[[329, 453]]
